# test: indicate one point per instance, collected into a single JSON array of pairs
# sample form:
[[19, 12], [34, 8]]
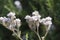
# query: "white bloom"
[[47, 23], [27, 17], [1, 18], [39, 16], [35, 13], [48, 18], [5, 19], [11, 14], [35, 18], [18, 22]]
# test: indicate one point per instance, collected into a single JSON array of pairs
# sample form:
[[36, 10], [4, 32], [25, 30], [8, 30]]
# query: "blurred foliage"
[[45, 7]]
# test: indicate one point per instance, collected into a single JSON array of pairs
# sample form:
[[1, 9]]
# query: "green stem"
[[26, 36]]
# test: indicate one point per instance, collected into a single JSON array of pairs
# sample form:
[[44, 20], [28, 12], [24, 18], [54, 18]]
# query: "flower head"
[[27, 17], [47, 23], [11, 14], [1, 18], [5, 19], [18, 22], [48, 18], [35, 18], [35, 13]]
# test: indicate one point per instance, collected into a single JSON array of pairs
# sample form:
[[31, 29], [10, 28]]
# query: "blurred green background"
[[45, 7]]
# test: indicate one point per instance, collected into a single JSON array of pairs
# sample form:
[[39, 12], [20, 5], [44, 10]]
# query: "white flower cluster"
[[46, 21], [35, 16], [18, 22], [10, 22], [35, 19]]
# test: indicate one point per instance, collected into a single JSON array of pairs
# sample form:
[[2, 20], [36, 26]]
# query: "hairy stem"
[[38, 35]]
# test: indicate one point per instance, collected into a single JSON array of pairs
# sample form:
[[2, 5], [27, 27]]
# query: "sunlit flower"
[[47, 23], [18, 22], [27, 17], [1, 18], [5, 19], [11, 14], [35, 13], [48, 18], [14, 23], [34, 18]]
